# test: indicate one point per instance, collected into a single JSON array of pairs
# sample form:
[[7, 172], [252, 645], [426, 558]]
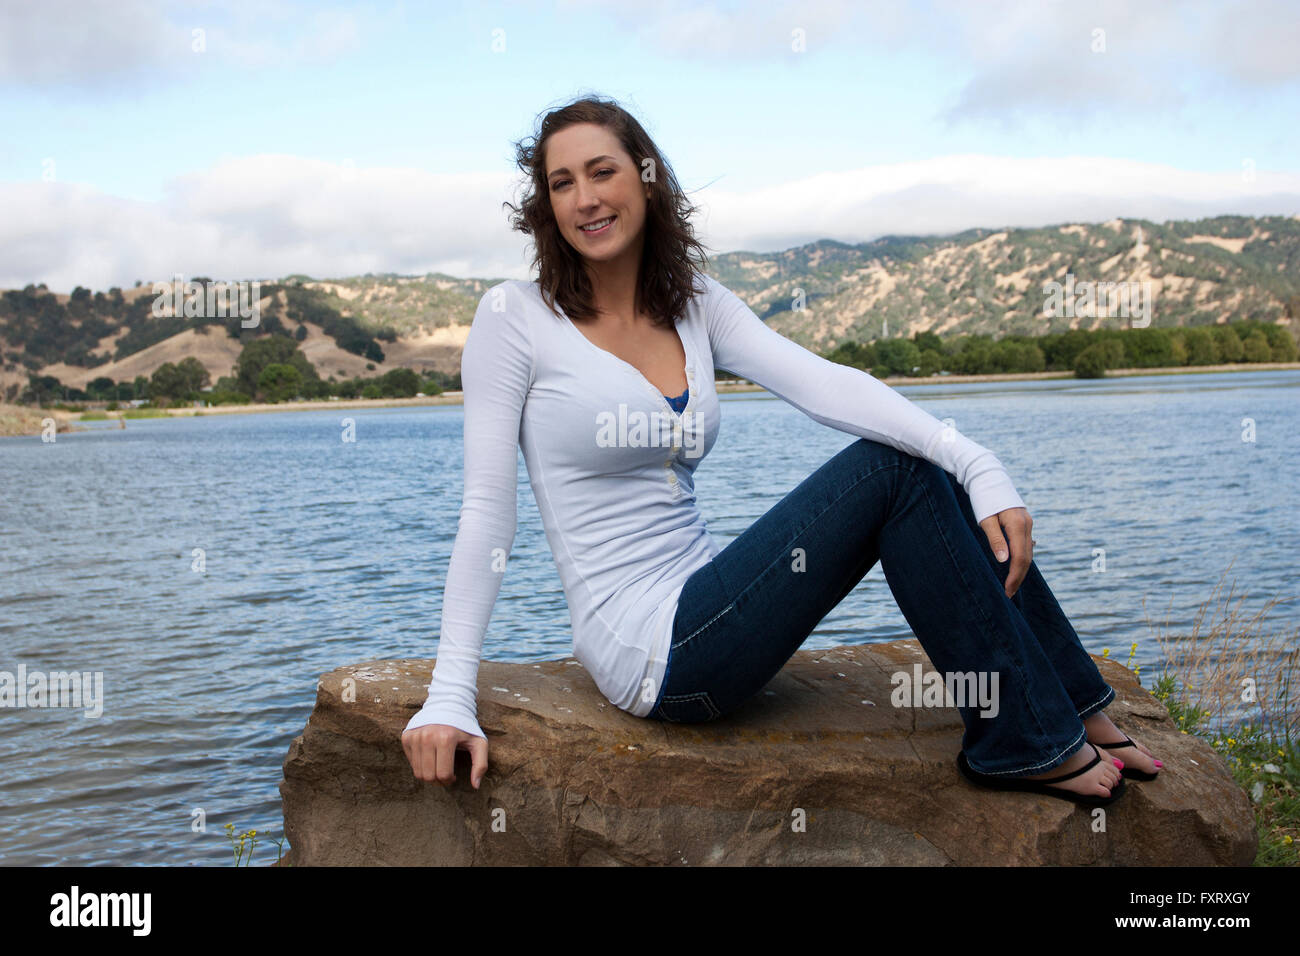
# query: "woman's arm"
[[850, 400], [496, 373]]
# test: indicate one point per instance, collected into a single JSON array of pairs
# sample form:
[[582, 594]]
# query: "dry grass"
[[24, 420], [1232, 669], [1230, 681]]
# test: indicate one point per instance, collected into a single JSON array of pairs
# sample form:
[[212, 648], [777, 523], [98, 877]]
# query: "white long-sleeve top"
[[612, 469]]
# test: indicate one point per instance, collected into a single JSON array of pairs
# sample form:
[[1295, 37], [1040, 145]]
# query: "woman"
[[579, 369]]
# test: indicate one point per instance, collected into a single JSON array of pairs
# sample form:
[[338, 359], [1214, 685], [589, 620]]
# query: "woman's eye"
[[560, 182]]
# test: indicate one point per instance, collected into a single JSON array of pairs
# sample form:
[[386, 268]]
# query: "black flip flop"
[[1040, 786], [1133, 773]]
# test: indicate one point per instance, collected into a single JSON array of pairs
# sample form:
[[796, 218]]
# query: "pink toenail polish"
[[1118, 763], [1158, 763]]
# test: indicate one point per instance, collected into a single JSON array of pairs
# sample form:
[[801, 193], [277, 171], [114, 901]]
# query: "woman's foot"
[[1097, 782], [1101, 729]]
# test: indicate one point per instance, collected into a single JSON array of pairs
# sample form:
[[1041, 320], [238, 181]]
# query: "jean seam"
[[699, 630], [1036, 620], [1060, 757], [821, 514], [1099, 703], [985, 620], [701, 695]]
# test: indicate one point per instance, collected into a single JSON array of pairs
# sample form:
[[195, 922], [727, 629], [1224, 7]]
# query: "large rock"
[[819, 768]]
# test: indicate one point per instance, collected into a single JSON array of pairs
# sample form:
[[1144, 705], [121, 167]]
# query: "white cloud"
[[267, 216], [132, 43], [256, 217], [1017, 57], [952, 193], [62, 41], [1077, 59]]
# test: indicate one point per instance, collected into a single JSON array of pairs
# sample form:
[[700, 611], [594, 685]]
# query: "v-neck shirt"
[[612, 471]]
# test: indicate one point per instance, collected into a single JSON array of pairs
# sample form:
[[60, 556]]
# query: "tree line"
[[273, 369], [269, 369], [1086, 353]]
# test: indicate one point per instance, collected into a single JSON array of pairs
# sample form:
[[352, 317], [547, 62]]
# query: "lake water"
[[318, 552]]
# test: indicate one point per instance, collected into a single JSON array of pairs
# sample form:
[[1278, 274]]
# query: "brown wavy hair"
[[671, 256]]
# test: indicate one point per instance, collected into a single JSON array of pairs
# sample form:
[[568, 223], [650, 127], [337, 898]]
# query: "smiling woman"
[[669, 625], [592, 161]]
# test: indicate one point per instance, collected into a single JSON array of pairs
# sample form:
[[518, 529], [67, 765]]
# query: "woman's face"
[[590, 179]]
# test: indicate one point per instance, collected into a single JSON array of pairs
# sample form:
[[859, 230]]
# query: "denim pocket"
[[688, 708]]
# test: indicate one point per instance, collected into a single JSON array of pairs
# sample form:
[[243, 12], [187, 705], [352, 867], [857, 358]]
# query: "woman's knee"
[[878, 452], [882, 454]]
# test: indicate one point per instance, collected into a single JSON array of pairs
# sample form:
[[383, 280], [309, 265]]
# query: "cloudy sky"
[[255, 139]]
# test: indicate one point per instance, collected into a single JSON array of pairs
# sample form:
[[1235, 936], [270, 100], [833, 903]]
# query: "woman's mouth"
[[600, 227]]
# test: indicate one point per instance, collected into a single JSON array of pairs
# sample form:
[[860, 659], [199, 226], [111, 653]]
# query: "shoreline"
[[21, 420], [1110, 373]]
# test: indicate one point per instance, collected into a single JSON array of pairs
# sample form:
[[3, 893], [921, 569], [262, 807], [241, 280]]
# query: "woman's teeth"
[[596, 227]]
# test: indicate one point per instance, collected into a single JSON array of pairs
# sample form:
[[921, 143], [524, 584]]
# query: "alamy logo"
[[102, 909], [53, 689], [954, 689], [1091, 300], [215, 300], [637, 429]]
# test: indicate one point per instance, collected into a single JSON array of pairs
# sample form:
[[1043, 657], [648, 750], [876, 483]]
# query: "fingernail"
[[1002, 555]]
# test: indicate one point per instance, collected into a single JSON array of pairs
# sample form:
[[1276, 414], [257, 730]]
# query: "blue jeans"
[[742, 615]]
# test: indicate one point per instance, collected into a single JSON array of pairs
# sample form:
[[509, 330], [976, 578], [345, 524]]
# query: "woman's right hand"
[[431, 749]]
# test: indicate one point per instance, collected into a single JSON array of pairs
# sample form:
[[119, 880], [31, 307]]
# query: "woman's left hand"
[[1017, 525]]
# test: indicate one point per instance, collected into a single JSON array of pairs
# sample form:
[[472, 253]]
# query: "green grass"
[[1266, 768], [245, 842], [1229, 683]]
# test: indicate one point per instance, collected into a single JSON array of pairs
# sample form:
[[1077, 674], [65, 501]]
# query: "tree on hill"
[[310, 305], [1255, 348], [399, 383], [195, 374], [928, 340], [1090, 362], [179, 380], [896, 357], [1228, 341], [43, 389], [974, 355], [102, 387], [279, 382], [1147, 348], [931, 362], [1202, 349], [1061, 348], [271, 350], [855, 354]]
